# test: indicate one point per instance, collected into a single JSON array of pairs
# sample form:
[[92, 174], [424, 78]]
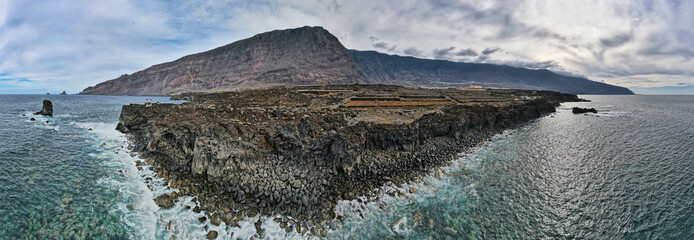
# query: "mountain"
[[301, 56], [313, 56], [393, 69]]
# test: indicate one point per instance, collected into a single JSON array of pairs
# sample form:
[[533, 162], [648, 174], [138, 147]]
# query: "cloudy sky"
[[647, 46]]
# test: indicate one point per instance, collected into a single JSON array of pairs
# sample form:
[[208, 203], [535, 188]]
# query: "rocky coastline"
[[297, 151]]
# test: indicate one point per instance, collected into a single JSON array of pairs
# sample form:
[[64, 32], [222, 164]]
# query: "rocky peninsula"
[[297, 151]]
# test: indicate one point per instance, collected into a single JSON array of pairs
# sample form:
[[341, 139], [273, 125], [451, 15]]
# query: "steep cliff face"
[[298, 151], [302, 56], [313, 56], [393, 69]]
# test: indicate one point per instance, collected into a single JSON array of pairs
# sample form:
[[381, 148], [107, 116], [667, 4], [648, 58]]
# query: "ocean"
[[626, 172]]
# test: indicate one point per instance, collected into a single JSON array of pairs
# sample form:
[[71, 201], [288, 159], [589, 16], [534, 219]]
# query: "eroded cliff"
[[296, 151], [301, 56]]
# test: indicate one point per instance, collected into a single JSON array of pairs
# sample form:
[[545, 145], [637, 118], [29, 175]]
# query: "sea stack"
[[63, 93], [47, 109]]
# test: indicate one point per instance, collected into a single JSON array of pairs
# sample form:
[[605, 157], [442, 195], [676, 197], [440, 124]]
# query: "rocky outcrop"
[[578, 110], [393, 69], [63, 93], [164, 201], [301, 56], [47, 109], [297, 151]]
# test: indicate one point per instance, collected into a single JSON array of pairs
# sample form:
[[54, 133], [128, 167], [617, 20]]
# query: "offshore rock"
[[296, 151], [47, 109], [578, 110]]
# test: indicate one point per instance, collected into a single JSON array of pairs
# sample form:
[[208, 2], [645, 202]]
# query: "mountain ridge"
[[313, 56], [413, 71], [300, 56]]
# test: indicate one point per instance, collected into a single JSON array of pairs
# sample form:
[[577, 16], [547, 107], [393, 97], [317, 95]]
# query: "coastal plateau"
[[297, 151]]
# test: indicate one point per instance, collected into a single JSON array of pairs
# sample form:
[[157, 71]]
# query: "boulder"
[[47, 109], [164, 201], [578, 110], [212, 235]]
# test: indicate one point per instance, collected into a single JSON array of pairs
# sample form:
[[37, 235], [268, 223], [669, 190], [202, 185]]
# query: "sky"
[[647, 46]]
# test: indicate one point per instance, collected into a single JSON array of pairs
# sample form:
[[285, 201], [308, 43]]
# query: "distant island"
[[313, 56]]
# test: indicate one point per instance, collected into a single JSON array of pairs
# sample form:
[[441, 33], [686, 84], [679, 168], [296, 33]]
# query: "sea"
[[626, 172]]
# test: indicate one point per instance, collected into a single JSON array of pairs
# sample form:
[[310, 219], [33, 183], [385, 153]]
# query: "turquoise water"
[[57, 179], [626, 172]]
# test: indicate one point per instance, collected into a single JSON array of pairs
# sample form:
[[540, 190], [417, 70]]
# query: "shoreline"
[[312, 196], [404, 190]]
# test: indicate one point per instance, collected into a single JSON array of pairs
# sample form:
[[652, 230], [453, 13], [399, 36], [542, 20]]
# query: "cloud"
[[73, 44], [488, 51], [444, 53], [552, 65], [412, 51], [466, 52], [382, 45], [615, 41]]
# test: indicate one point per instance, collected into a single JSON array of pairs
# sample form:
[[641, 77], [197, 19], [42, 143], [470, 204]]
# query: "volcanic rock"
[[578, 110], [301, 56], [47, 109], [212, 235], [410, 71], [313, 56], [296, 151], [164, 201]]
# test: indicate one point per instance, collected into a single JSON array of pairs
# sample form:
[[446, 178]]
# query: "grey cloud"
[[382, 45], [615, 41], [666, 50], [385, 46], [488, 51], [443, 53], [481, 58], [535, 65], [412, 51], [567, 73], [543, 33], [466, 52], [500, 15]]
